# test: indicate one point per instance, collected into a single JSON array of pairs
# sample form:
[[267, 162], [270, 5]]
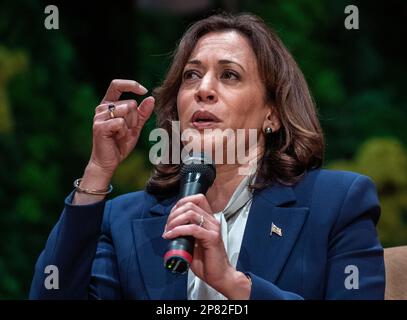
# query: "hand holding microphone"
[[197, 175]]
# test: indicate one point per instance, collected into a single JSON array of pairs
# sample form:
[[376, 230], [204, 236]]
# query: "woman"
[[295, 231]]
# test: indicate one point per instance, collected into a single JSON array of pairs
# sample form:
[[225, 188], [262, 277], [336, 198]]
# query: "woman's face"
[[221, 86]]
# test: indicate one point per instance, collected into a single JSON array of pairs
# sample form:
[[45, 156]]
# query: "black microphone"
[[197, 175]]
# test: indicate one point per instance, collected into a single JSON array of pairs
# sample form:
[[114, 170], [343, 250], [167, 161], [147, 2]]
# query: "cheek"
[[181, 106], [179, 103], [249, 114]]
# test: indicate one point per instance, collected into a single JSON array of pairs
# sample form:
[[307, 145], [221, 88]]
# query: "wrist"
[[237, 285], [95, 177]]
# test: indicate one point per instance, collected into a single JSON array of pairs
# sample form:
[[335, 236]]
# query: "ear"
[[272, 119]]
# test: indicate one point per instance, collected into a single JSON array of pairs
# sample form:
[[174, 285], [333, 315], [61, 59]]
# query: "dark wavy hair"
[[295, 148]]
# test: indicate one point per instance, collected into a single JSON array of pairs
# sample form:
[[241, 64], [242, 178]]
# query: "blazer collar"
[[262, 252], [163, 208], [277, 194]]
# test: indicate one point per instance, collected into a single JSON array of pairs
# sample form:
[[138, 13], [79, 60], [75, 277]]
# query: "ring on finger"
[[202, 221], [111, 109]]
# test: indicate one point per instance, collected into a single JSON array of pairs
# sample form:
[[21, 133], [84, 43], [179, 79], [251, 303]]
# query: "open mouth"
[[203, 118]]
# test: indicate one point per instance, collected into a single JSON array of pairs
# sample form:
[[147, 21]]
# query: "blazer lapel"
[[262, 252], [150, 248]]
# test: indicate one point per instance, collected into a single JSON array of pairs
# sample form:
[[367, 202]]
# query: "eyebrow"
[[222, 61]]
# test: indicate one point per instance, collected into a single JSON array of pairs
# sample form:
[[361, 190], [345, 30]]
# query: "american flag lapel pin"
[[276, 230]]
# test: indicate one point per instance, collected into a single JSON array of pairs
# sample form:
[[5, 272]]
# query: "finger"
[[192, 217], [146, 107], [118, 86], [111, 127], [174, 207], [105, 106], [122, 133], [179, 209], [144, 111], [191, 230], [120, 111], [189, 207], [199, 199], [126, 110], [191, 213]]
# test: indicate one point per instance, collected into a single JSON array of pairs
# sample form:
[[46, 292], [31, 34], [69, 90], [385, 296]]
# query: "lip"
[[197, 122]]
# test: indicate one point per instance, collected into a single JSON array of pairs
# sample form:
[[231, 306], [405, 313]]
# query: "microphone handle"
[[191, 188], [180, 250]]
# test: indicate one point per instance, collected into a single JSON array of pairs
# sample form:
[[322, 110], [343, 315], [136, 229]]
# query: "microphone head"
[[198, 166]]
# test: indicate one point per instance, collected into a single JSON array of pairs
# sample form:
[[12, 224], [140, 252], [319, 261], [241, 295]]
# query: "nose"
[[205, 91]]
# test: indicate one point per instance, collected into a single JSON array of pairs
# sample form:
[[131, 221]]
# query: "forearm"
[[70, 248], [237, 286]]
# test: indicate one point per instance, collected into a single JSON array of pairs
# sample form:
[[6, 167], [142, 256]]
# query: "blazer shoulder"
[[337, 174], [352, 193], [337, 180]]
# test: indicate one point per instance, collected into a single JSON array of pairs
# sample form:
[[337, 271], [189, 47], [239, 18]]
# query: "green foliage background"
[[51, 81]]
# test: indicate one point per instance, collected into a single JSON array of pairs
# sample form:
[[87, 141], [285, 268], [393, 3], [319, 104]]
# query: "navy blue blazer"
[[114, 250]]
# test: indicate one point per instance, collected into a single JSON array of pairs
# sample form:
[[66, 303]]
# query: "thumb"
[[146, 107], [144, 111]]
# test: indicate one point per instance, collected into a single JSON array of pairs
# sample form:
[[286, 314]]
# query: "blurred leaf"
[[11, 62], [28, 209], [132, 173], [385, 161]]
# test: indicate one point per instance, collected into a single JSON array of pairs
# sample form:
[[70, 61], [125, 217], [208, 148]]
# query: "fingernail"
[[165, 234], [144, 89]]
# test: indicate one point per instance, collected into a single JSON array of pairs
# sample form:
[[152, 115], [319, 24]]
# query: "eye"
[[190, 75], [230, 75]]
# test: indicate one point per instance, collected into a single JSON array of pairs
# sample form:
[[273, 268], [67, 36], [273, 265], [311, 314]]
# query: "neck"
[[228, 177], [226, 182]]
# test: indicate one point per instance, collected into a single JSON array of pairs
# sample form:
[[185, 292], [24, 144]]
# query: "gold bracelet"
[[94, 192]]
